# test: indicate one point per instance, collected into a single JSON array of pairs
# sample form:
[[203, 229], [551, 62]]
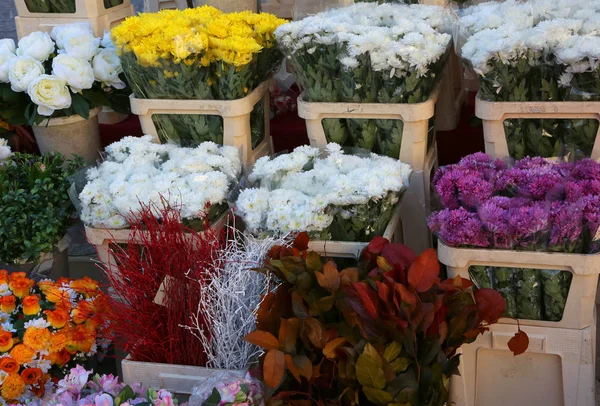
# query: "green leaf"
[[214, 399], [377, 396], [126, 393], [400, 364], [369, 373], [80, 105], [392, 351]]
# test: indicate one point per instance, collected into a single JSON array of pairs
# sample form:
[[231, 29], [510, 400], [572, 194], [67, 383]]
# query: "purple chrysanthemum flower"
[[494, 217], [448, 186], [543, 183], [459, 228], [567, 226], [586, 169], [529, 224], [484, 164], [533, 163], [473, 191], [591, 222]]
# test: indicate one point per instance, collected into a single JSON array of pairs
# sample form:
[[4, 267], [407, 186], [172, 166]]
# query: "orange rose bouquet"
[[46, 328]]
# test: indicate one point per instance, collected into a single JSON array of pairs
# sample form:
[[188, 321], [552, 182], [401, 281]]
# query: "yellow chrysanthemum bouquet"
[[199, 53]]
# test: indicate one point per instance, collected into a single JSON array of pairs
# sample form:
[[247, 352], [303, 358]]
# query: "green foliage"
[[384, 334], [34, 205]]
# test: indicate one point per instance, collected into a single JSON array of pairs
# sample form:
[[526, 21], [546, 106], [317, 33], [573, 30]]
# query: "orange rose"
[[37, 339], [80, 339], [6, 341], [60, 298], [22, 354], [7, 364], [3, 276], [8, 304], [31, 305], [17, 275], [31, 376], [59, 358], [83, 312], [86, 286], [57, 318], [45, 285], [58, 341], [12, 387], [20, 287]]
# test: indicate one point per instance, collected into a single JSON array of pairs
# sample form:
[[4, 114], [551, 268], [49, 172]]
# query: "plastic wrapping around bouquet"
[[103, 238], [83, 9], [105, 22], [558, 369], [347, 249], [579, 311], [493, 114], [415, 116], [452, 95], [235, 113], [178, 379]]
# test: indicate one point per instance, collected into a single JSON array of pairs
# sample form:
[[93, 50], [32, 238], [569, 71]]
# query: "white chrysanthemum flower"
[[37, 323]]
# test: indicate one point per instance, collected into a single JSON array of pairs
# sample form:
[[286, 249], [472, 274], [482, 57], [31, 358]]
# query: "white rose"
[[5, 151], [6, 59], [23, 70], [81, 45], [58, 33], [78, 73], [7, 44], [38, 45], [50, 94], [107, 67]]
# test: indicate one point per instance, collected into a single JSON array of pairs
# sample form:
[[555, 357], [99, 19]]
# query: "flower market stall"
[[351, 271]]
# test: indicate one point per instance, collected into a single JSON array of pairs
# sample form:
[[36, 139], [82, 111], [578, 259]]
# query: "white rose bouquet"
[[67, 72], [196, 181], [389, 53], [340, 197], [541, 50]]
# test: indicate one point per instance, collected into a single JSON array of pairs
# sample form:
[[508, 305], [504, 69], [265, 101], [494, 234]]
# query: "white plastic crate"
[[452, 95], [493, 115], [106, 22], [83, 9], [154, 6], [415, 116], [580, 306], [235, 113], [177, 379], [558, 369]]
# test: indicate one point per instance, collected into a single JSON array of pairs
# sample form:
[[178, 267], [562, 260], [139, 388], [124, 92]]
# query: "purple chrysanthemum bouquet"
[[533, 205]]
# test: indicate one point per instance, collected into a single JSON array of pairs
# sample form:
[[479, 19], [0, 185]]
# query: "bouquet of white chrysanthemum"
[[541, 50], [364, 53], [196, 181], [341, 197]]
